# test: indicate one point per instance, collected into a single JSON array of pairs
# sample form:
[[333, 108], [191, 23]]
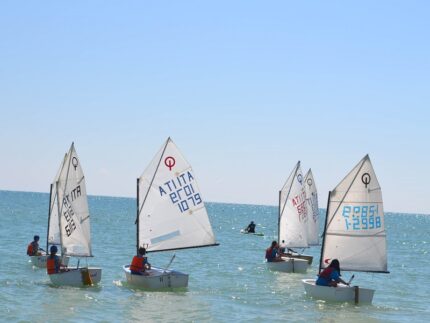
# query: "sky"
[[244, 88]]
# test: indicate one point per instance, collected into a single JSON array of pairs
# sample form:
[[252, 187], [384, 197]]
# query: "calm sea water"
[[227, 283]]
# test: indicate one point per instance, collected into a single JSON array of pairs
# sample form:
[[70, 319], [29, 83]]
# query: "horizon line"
[[212, 202]]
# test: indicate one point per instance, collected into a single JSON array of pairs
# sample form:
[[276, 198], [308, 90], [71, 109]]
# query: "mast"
[[289, 189], [146, 195], [281, 210], [59, 219], [279, 218], [49, 218], [64, 190], [153, 176], [325, 229], [137, 219]]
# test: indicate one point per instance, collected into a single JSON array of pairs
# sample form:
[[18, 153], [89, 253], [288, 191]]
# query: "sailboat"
[[312, 209], [73, 222], [171, 215], [53, 231], [354, 233], [292, 224]]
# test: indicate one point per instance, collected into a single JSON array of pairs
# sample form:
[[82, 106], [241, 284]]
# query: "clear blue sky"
[[244, 88]]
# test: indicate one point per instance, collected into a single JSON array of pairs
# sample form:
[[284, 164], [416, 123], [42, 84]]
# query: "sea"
[[227, 283]]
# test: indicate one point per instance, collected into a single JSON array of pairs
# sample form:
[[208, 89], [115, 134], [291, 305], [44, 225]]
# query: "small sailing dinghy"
[[53, 234], [292, 224], [74, 223], [354, 233], [171, 215]]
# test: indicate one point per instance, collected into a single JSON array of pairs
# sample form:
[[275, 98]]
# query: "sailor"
[[272, 252], [330, 276], [33, 247], [53, 262], [282, 247], [140, 263], [251, 227]]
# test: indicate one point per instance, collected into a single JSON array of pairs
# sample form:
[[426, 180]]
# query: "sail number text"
[[364, 217], [299, 202], [68, 210], [181, 191]]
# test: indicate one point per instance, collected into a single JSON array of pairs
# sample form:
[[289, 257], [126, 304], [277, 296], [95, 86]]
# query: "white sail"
[[53, 219], [171, 211], [292, 211], [73, 208], [355, 228], [312, 209]]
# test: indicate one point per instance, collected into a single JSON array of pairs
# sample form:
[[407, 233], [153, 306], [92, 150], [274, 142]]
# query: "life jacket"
[[50, 265], [326, 273], [30, 249], [136, 264], [269, 252]]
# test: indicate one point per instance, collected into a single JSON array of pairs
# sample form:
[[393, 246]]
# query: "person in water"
[[140, 263], [251, 227], [272, 253], [53, 262], [330, 276], [33, 247]]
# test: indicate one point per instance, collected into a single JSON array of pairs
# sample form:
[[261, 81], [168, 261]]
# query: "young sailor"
[[33, 247], [53, 262], [272, 253], [140, 263], [330, 276]]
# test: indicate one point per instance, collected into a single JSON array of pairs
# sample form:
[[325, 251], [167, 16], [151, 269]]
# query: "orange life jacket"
[[30, 249], [50, 265], [136, 264]]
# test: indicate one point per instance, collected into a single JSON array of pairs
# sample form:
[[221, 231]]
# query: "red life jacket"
[[136, 264], [50, 265], [326, 273], [269, 253], [30, 249]]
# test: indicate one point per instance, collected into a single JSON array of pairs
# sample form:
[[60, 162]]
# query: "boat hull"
[[289, 265], [258, 234], [299, 256], [40, 261], [76, 277], [341, 293], [157, 278]]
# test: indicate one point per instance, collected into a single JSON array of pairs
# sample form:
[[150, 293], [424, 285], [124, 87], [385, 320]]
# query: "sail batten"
[[355, 233], [171, 211]]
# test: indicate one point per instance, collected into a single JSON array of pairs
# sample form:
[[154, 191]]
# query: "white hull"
[[341, 293], [289, 265], [157, 278], [259, 234], [40, 261], [299, 256], [74, 277]]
